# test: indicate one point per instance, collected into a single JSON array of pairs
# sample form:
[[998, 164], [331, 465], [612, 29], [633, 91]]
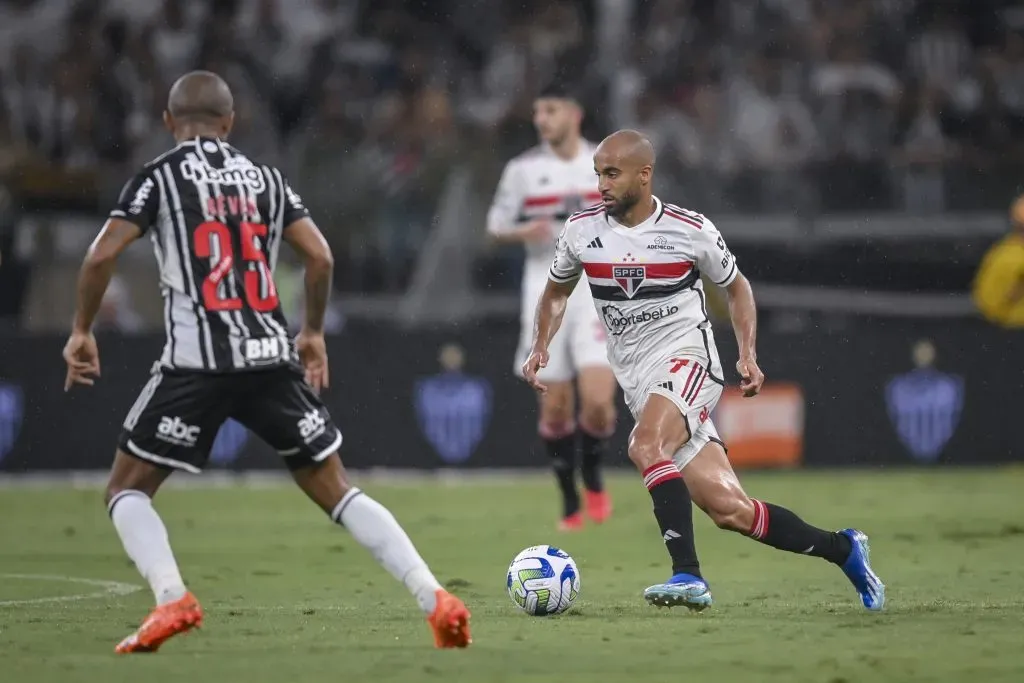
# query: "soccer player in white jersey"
[[643, 259], [538, 190]]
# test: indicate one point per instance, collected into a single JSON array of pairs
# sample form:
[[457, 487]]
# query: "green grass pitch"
[[290, 597]]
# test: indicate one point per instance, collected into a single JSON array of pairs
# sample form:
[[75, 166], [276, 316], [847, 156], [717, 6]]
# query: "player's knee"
[[731, 511], [644, 450], [598, 419]]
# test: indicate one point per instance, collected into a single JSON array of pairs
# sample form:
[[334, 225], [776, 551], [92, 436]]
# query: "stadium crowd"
[[755, 105]]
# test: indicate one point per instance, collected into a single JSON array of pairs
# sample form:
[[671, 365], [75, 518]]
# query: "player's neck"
[[643, 210], [192, 131], [567, 149]]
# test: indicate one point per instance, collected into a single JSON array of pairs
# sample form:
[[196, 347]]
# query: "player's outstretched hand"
[[83, 359], [312, 349], [538, 359], [751, 376]]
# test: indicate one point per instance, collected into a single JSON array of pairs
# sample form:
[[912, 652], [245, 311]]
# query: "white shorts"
[[691, 378], [579, 342]]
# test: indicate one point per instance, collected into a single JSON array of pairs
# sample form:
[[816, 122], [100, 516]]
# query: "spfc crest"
[[629, 278], [12, 409], [231, 439], [453, 411], [924, 406]]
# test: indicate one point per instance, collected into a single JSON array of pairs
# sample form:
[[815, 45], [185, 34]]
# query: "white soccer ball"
[[543, 580]]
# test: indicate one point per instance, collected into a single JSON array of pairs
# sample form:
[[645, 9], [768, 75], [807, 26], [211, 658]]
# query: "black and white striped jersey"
[[216, 220]]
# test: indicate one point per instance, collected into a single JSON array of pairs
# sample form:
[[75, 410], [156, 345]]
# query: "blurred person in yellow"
[[998, 289]]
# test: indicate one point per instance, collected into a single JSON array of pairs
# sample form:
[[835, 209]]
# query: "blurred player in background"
[[664, 354], [217, 220], [538, 190], [998, 287]]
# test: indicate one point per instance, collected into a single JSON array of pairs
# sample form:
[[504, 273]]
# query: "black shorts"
[[178, 414]]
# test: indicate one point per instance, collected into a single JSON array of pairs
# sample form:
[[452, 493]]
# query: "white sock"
[[144, 537], [378, 531]]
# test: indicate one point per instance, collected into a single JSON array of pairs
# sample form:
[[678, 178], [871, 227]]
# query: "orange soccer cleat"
[[573, 522], [165, 621], [450, 621], [599, 506]]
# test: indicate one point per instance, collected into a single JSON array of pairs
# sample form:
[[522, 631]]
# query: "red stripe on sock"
[[659, 473], [760, 527]]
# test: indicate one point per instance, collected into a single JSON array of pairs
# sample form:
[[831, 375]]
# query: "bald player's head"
[[624, 162], [200, 103]]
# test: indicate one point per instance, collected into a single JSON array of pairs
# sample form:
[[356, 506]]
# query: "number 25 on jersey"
[[212, 240]]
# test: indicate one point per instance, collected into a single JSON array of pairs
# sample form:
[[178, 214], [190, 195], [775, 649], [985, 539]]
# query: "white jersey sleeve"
[[567, 265], [712, 255], [507, 204]]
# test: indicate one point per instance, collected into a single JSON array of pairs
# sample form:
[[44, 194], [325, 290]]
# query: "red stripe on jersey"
[[684, 219], [653, 271], [552, 199], [586, 214]]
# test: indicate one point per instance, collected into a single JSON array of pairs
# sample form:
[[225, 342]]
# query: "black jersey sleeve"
[[139, 200], [294, 209]]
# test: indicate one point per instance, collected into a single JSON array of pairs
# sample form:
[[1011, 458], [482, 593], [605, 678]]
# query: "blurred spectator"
[[998, 289]]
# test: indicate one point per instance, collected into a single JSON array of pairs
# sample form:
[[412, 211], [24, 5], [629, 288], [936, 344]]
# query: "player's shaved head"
[[624, 163], [629, 147], [200, 102]]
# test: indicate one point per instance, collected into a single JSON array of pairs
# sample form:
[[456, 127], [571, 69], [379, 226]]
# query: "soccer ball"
[[543, 580]]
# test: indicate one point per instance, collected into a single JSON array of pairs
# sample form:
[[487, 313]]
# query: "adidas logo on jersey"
[[668, 385], [174, 430], [595, 244], [311, 426]]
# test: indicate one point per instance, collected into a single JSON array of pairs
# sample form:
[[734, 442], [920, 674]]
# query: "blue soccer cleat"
[[682, 590], [858, 570]]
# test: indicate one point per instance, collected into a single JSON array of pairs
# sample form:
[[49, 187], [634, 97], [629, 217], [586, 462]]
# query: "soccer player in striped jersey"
[[217, 219], [643, 259], [538, 190]]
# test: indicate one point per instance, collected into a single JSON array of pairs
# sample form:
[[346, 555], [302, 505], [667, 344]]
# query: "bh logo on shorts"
[[231, 439], [629, 278], [924, 405], [12, 409], [453, 409]]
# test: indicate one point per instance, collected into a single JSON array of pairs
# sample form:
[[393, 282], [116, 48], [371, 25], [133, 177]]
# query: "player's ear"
[[168, 121], [228, 124]]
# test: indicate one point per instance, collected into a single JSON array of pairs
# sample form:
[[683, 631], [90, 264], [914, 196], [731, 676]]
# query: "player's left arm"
[[719, 264]]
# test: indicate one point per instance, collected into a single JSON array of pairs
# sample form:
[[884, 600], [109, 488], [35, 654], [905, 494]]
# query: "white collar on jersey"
[[659, 209]]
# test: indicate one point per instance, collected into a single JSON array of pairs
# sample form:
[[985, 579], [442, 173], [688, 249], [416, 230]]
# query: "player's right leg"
[[171, 426], [288, 415]]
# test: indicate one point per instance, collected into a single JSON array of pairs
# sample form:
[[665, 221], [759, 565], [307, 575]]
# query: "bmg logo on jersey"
[[312, 426], [174, 430], [629, 278], [235, 171]]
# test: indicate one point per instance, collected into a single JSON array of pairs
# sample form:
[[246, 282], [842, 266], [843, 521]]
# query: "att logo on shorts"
[[312, 426], [174, 430]]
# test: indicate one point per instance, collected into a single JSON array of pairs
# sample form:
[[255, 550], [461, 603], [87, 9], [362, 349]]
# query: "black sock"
[[780, 528], [593, 448], [563, 460], [674, 513]]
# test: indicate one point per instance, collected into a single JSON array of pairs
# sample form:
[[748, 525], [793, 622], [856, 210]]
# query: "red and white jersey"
[[540, 184], [645, 280]]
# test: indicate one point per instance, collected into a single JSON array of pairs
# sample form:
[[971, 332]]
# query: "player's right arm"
[[503, 223], [308, 242], [562, 278]]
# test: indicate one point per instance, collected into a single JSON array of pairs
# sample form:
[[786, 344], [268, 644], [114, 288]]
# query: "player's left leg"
[[716, 490], [597, 388], [289, 416]]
